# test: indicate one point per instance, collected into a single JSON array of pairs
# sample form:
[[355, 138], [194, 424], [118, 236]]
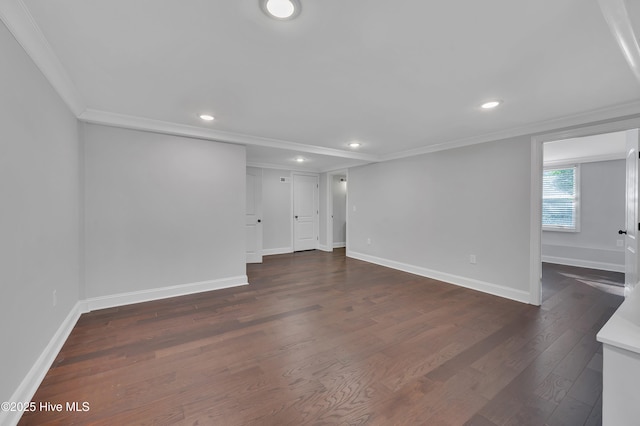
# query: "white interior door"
[[305, 212], [253, 224], [632, 224]]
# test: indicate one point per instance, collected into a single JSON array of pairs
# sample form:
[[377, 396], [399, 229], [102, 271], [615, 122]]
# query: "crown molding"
[[590, 117], [146, 124], [332, 169], [346, 166], [21, 24], [285, 168]]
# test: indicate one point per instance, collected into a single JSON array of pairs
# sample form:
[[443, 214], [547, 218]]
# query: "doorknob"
[[622, 232], [259, 220], [296, 217]]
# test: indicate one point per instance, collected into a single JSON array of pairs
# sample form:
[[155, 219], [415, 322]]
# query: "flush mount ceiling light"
[[300, 160], [490, 104], [206, 117], [354, 145], [281, 9]]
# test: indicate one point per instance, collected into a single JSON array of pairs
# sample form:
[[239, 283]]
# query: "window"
[[560, 199]]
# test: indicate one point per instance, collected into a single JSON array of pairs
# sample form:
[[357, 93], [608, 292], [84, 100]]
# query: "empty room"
[[286, 212]]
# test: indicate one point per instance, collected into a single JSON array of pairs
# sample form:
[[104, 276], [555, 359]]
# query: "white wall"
[[276, 210], [427, 214], [39, 214], [161, 211], [339, 192], [602, 213]]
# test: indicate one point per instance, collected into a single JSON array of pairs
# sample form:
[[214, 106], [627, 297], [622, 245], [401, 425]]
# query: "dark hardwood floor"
[[322, 339]]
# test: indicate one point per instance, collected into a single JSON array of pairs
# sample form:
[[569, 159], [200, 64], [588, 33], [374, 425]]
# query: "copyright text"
[[23, 407]]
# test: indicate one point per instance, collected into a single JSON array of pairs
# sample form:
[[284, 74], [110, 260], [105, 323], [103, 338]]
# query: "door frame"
[[631, 232], [259, 213], [292, 213], [535, 204]]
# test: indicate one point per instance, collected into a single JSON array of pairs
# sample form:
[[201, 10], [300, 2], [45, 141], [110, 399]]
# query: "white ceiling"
[[400, 77], [608, 146]]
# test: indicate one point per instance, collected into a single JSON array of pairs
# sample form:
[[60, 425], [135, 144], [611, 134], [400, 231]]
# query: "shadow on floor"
[[556, 277]]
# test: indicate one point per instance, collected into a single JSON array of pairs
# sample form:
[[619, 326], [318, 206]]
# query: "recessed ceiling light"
[[206, 117], [300, 160], [354, 144], [490, 104], [281, 9]]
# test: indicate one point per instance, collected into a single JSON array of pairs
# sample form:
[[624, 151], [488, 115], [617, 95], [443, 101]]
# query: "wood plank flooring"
[[321, 339]]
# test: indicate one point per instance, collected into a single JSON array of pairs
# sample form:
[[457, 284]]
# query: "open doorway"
[[583, 209], [336, 220], [339, 211], [581, 199]]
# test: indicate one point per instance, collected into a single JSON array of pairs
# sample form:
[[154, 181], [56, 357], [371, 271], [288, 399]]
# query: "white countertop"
[[623, 328]]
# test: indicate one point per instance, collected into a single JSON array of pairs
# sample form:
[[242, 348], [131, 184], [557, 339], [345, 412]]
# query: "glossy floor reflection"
[[318, 338]]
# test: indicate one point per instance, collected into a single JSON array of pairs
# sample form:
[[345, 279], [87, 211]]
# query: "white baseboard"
[[31, 382], [325, 247], [122, 299], [485, 287], [603, 266], [34, 378], [281, 250]]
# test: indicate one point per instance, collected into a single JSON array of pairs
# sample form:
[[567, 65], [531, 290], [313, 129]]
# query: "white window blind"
[[560, 199]]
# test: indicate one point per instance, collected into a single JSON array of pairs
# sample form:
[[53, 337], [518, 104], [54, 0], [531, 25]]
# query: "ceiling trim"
[[346, 166], [279, 167], [165, 127], [302, 169], [21, 24], [617, 17], [614, 112]]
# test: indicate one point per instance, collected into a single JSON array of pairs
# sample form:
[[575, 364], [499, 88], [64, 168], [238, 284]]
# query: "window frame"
[[576, 198]]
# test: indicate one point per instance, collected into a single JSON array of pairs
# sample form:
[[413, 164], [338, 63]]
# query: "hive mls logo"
[[78, 406]]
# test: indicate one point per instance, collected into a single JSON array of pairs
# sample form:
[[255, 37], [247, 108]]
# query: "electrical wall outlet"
[[472, 259], [55, 298], [369, 241]]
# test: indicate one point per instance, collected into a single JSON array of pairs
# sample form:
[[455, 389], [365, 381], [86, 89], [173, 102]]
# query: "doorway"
[[628, 130], [336, 228], [339, 212], [253, 215]]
